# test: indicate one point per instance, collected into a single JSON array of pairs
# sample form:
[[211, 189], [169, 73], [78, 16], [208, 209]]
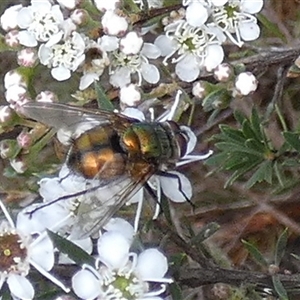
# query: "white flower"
[[124, 65], [9, 18], [246, 83], [120, 274], [41, 22], [19, 250], [196, 48], [64, 57], [57, 216], [235, 19]]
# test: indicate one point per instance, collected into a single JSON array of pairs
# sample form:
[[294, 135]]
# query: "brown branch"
[[208, 273]]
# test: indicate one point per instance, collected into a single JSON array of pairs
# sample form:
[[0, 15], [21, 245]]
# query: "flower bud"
[[46, 96], [27, 57], [18, 164], [130, 95], [11, 39], [24, 140], [9, 19], [199, 89], [6, 115], [14, 78], [113, 24], [79, 16], [245, 83], [223, 72], [131, 43], [104, 5]]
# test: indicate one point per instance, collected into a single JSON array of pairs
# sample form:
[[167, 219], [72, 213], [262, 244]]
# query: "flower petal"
[[122, 226], [150, 73], [146, 266], [177, 187], [61, 73], [113, 249], [188, 69], [249, 31], [20, 286], [86, 285], [252, 7], [196, 14], [43, 253], [150, 50]]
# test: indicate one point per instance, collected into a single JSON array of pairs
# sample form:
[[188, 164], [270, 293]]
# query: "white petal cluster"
[[235, 19], [63, 57], [19, 252], [194, 41], [119, 273], [193, 49]]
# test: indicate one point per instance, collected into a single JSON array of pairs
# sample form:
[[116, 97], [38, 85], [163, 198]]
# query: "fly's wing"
[[61, 116], [96, 209]]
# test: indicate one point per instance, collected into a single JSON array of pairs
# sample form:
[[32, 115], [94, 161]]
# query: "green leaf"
[[279, 288], [255, 145], [175, 291], [236, 164], [74, 252], [281, 246], [239, 173], [293, 139], [255, 253], [256, 124], [278, 173], [248, 130], [239, 117], [217, 96], [205, 232], [103, 101], [272, 28], [233, 148], [229, 133], [216, 159], [263, 173]]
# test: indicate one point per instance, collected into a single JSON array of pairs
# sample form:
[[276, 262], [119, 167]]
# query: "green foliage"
[[205, 232], [255, 253], [102, 99], [250, 155], [281, 246], [279, 288], [278, 255], [243, 150], [71, 250], [271, 27]]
